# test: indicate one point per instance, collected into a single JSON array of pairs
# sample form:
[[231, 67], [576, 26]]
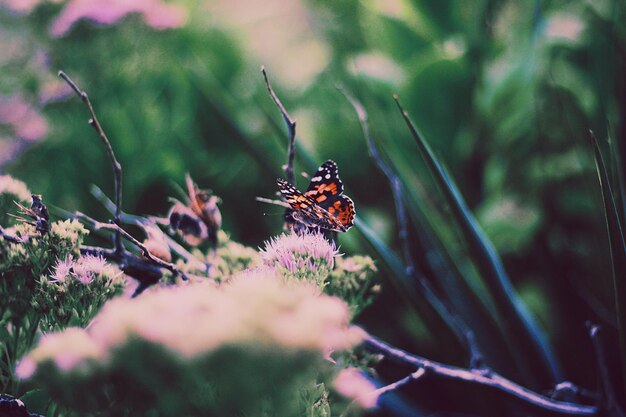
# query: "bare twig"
[[135, 219], [291, 129], [463, 332], [145, 252], [98, 251], [476, 377], [400, 383], [270, 201], [117, 167]]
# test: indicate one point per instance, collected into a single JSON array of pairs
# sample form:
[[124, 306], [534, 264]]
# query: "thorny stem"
[[291, 129], [460, 327], [112, 226], [478, 377], [117, 167]]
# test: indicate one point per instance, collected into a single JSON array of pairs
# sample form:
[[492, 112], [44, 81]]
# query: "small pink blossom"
[[62, 269], [564, 26], [88, 266], [93, 263], [309, 256], [157, 14], [352, 384], [23, 119], [22, 6]]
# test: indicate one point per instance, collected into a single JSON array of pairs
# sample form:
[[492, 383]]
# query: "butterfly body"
[[323, 205]]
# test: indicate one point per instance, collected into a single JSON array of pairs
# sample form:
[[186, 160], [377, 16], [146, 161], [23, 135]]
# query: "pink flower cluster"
[[196, 319], [157, 14]]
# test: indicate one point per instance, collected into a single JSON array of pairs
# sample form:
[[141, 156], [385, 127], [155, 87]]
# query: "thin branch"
[[98, 251], [476, 377], [145, 252], [275, 202], [134, 219], [117, 167], [291, 129], [459, 326], [400, 383], [565, 389]]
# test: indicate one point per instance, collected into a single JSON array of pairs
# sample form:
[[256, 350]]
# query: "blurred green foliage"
[[504, 91]]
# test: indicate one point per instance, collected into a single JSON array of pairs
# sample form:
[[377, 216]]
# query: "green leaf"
[[414, 291], [532, 349], [617, 246]]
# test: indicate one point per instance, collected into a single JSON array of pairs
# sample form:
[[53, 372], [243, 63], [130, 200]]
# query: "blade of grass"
[[415, 293], [524, 334], [466, 307], [617, 247], [618, 177]]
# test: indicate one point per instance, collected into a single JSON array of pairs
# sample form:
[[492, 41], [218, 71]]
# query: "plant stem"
[[117, 167], [291, 129]]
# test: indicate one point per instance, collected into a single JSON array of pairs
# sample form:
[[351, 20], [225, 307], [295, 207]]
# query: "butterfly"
[[322, 206]]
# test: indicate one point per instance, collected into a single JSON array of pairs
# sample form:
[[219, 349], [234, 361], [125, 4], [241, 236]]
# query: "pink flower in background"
[[69, 349], [156, 14], [24, 124], [24, 120], [21, 6]]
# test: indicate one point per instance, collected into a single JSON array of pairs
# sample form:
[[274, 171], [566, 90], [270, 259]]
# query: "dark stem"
[[478, 377], [414, 376], [145, 252], [141, 221], [117, 167], [134, 266], [291, 129]]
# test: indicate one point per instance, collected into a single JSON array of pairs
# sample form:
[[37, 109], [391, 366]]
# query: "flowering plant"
[[251, 346]]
